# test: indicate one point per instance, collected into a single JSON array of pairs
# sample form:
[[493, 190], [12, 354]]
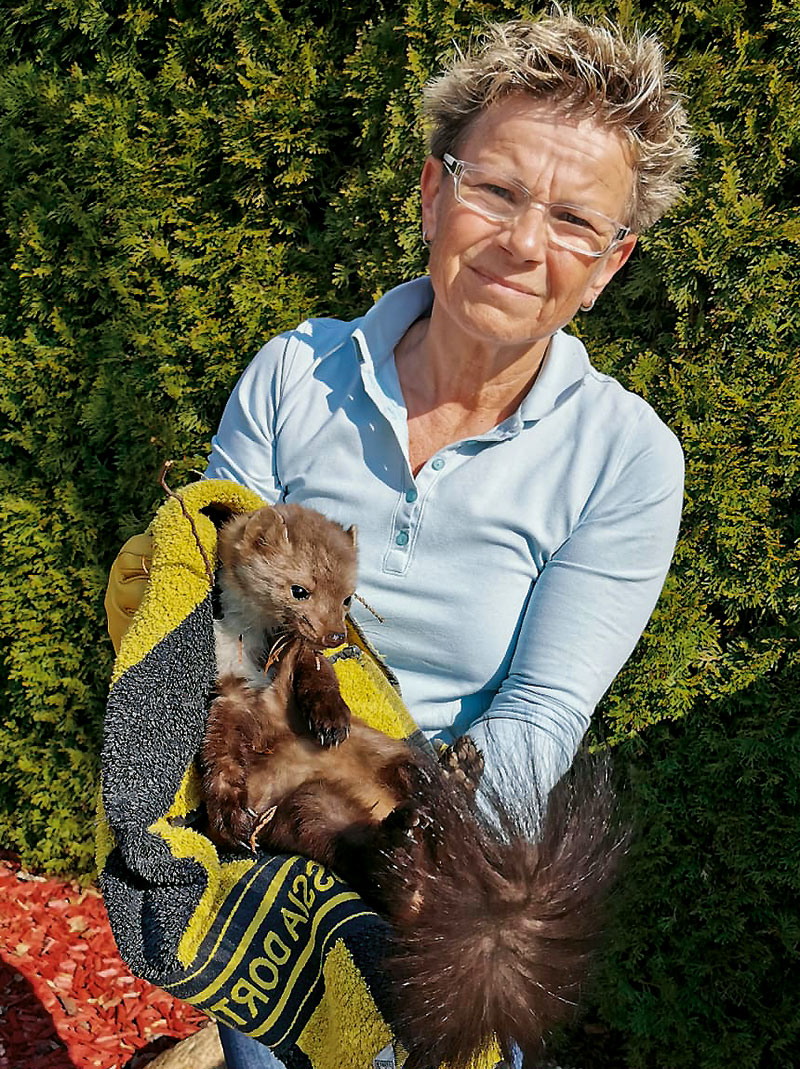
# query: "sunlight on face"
[[502, 281]]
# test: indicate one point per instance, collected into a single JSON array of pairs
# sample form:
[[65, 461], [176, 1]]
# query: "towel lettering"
[[255, 975], [323, 880], [222, 1007], [246, 994], [301, 881], [264, 972], [272, 941], [291, 920]]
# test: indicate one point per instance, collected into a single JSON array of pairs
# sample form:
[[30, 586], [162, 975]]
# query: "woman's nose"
[[527, 234]]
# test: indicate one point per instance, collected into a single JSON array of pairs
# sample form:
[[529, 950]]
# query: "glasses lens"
[[580, 229], [492, 195], [497, 197]]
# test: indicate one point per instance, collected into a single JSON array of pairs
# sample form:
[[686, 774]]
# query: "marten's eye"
[[347, 601], [300, 593]]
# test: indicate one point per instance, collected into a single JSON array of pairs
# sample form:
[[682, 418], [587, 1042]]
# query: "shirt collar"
[[564, 367], [377, 333]]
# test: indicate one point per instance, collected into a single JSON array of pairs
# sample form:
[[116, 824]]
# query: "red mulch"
[[67, 1001]]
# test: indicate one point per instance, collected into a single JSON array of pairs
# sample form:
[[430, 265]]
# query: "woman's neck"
[[456, 387], [437, 368]]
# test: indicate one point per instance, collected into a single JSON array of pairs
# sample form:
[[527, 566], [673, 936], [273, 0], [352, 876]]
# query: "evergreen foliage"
[[181, 180]]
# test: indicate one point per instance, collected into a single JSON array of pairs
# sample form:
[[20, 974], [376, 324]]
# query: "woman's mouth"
[[504, 283]]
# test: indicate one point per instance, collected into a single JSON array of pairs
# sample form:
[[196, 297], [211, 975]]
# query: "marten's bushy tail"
[[511, 910]]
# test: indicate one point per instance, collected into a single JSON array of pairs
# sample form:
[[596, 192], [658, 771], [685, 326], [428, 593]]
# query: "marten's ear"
[[285, 525], [229, 535], [267, 527], [353, 532]]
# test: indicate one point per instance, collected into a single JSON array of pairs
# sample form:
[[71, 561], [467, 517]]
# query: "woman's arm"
[[586, 613]]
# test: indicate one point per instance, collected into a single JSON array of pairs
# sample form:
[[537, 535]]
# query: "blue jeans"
[[242, 1052]]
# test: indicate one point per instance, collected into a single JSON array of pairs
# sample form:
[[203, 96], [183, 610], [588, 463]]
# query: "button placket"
[[407, 516], [396, 556]]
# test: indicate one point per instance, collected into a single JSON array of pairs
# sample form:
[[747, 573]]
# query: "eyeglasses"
[[499, 198]]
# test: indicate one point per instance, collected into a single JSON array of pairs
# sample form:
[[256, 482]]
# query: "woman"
[[517, 510]]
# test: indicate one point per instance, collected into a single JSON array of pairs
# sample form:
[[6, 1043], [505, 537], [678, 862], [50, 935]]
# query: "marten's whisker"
[[369, 608]]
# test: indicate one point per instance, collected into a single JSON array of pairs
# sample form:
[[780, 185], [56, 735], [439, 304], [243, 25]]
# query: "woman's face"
[[502, 282]]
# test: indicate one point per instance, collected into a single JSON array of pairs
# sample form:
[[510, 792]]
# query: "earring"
[[426, 241], [588, 307]]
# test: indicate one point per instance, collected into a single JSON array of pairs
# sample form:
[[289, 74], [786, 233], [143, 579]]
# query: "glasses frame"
[[458, 168]]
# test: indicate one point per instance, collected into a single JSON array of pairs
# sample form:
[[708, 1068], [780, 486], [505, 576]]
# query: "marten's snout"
[[333, 639]]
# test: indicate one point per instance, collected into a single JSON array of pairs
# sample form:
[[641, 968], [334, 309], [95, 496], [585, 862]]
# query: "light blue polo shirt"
[[517, 571]]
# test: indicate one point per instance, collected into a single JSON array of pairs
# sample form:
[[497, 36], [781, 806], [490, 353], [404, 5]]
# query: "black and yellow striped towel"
[[277, 947]]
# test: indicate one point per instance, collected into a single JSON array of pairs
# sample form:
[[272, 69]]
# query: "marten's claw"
[[232, 824], [330, 734], [316, 693], [404, 822], [463, 761]]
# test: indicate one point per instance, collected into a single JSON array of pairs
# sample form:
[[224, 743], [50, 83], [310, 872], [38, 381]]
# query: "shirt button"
[[411, 496], [437, 464], [402, 538]]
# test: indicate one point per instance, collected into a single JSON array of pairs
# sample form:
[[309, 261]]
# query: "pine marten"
[[495, 911]]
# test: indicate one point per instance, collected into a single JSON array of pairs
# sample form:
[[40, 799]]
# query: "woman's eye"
[[300, 593], [347, 601], [564, 215], [500, 192]]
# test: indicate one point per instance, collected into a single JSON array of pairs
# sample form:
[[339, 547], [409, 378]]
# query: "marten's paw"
[[231, 822], [330, 723], [426, 796], [402, 844], [405, 824], [316, 693], [464, 762]]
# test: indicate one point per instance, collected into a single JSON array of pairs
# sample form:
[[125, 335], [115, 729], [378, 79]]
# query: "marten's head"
[[293, 568]]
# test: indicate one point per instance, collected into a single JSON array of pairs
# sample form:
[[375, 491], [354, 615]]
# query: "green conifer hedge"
[[179, 181]]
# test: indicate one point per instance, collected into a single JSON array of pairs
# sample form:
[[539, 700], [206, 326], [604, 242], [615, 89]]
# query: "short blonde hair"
[[585, 69]]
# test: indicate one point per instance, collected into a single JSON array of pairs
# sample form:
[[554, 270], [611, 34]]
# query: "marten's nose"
[[333, 638]]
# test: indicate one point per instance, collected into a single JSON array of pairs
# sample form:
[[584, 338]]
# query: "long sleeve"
[[586, 612], [243, 448]]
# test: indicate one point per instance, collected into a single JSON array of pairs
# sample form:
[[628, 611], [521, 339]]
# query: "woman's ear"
[[430, 183], [607, 267]]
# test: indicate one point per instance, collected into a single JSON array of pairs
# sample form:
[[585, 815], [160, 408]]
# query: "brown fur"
[[495, 911]]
